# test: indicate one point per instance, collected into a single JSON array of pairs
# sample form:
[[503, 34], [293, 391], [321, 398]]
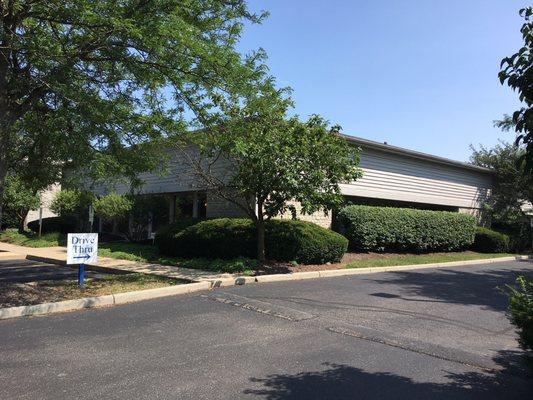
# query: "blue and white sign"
[[82, 248]]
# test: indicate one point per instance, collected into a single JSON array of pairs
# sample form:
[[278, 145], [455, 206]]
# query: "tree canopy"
[[512, 191], [517, 72], [261, 160], [100, 84]]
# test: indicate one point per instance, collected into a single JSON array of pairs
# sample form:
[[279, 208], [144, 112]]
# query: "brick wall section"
[[318, 217]]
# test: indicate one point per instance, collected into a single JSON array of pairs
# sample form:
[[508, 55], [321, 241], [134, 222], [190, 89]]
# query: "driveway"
[[435, 333], [19, 270]]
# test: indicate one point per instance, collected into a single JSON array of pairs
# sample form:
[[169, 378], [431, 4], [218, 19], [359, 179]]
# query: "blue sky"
[[417, 74]]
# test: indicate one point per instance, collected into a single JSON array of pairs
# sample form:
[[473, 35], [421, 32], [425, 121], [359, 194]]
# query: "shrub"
[[489, 241], [371, 228], [521, 310], [164, 237], [113, 207], [69, 202], [285, 240], [55, 224]]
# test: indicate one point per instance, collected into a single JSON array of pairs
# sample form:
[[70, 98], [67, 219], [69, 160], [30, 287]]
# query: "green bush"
[[55, 224], [381, 229], [113, 207], [164, 237], [285, 240], [489, 241], [521, 310]]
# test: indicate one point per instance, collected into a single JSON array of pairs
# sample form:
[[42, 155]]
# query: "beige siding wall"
[[385, 176], [397, 177], [176, 176], [46, 196], [218, 207]]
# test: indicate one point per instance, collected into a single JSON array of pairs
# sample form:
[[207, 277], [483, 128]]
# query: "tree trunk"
[[260, 226], [22, 219]]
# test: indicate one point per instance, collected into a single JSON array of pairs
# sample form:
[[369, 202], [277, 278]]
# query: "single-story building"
[[392, 176]]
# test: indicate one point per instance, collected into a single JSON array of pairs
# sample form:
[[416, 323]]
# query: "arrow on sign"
[[85, 257]]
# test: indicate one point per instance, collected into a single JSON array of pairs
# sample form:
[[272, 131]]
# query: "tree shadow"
[[339, 381], [482, 288]]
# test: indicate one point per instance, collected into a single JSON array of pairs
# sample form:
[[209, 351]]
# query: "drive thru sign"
[[82, 248]]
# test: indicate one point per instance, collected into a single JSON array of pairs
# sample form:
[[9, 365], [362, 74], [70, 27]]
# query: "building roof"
[[412, 153]]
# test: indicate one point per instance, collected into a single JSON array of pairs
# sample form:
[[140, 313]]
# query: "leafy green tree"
[[113, 207], [517, 72], [269, 160], [100, 84], [19, 199], [512, 188], [73, 203]]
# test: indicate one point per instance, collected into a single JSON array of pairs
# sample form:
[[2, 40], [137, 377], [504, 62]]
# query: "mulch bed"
[[287, 268]]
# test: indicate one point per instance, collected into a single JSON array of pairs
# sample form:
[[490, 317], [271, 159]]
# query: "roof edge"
[[415, 154]]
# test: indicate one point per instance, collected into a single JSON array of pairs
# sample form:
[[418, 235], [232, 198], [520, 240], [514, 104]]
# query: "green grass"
[[150, 254], [30, 239], [408, 259]]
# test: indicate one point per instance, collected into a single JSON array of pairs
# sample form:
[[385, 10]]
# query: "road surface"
[[424, 334]]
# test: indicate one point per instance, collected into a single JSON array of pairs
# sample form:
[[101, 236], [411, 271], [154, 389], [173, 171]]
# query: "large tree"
[[512, 192], [99, 84], [261, 160], [517, 72]]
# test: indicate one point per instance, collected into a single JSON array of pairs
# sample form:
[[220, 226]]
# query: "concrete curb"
[[101, 301], [130, 297]]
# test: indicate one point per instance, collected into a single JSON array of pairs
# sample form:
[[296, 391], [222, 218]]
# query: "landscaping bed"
[[24, 294], [247, 266], [368, 260]]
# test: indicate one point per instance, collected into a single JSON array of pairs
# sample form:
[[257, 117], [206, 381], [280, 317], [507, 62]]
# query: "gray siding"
[[386, 175], [404, 178], [178, 176]]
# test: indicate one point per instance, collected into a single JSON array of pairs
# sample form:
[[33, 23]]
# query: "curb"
[[140, 295], [101, 301]]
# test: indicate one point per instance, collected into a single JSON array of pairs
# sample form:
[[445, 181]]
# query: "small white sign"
[[82, 248]]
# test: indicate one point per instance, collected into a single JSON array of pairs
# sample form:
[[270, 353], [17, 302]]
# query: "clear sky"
[[420, 74]]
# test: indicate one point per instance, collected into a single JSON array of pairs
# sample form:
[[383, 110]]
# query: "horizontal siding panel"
[[403, 178]]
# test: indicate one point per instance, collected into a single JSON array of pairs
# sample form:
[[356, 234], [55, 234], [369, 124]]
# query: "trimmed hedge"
[[489, 241], [285, 240], [55, 224], [382, 229], [164, 237]]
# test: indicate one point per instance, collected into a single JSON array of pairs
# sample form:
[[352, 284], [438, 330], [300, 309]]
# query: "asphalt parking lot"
[[431, 333]]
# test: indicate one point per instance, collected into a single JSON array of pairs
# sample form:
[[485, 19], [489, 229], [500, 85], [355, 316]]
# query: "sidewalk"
[[58, 255]]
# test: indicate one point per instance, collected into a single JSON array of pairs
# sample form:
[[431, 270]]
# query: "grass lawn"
[[132, 252], [386, 260], [150, 254], [22, 294], [31, 239]]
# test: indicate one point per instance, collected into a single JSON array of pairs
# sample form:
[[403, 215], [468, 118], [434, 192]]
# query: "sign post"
[[40, 220], [82, 248], [91, 217]]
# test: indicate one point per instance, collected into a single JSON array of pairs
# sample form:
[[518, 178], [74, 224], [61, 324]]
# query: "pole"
[[81, 275], [40, 221]]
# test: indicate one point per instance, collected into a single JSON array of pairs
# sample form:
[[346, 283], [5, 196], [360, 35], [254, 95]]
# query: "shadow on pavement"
[[338, 381], [454, 286]]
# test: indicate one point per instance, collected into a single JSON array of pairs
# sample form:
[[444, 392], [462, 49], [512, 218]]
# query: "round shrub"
[[303, 242], [489, 241], [164, 237], [381, 229], [55, 224], [285, 240]]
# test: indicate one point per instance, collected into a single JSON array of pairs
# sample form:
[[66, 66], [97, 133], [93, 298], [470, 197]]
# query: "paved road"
[[426, 334], [21, 271]]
